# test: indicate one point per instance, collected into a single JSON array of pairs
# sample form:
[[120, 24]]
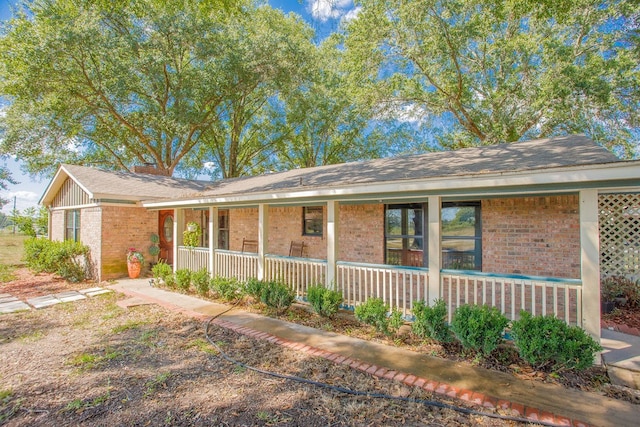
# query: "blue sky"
[[323, 15]]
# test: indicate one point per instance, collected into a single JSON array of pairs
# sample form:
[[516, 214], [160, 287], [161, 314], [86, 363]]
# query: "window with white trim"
[[461, 236], [72, 225]]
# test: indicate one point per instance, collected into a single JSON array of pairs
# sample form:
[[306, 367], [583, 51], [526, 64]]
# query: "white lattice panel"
[[619, 234]]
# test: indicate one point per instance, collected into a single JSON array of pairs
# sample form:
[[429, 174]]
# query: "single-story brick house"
[[514, 225]]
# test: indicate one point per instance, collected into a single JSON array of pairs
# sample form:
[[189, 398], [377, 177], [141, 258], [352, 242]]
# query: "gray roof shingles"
[[528, 155], [573, 150]]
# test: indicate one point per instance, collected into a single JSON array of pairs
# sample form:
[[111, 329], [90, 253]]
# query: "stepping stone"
[[70, 296], [132, 302], [12, 306], [45, 301], [99, 291], [7, 298], [89, 290]]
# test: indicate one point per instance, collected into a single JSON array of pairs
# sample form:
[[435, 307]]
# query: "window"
[[404, 235], [72, 225], [461, 236], [223, 229], [312, 221]]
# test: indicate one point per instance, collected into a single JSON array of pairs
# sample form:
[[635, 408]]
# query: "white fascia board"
[[66, 208], [572, 178]]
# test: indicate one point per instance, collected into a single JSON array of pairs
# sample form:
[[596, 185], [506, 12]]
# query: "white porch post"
[[333, 211], [435, 251], [178, 228], [590, 262], [213, 238], [263, 238]]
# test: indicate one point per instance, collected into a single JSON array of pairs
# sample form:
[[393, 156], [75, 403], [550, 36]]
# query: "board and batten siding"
[[70, 194]]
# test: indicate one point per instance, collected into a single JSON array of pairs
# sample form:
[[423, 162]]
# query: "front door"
[[165, 231]]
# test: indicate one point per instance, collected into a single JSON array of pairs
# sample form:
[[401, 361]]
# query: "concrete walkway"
[[534, 400]]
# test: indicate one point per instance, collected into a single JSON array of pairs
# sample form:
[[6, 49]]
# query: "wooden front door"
[[165, 231]]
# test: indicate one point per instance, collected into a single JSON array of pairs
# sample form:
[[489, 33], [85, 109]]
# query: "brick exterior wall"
[[532, 235], [57, 225], [90, 235], [122, 228], [243, 223], [361, 231]]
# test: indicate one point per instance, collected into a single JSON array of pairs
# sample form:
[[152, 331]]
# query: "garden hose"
[[344, 390]]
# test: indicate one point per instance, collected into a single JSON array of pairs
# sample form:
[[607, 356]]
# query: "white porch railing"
[[193, 258], [398, 287], [299, 273], [239, 265], [511, 294]]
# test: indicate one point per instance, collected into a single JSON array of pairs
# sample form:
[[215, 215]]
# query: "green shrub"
[[35, 254], [200, 280], [324, 301], [277, 296], [70, 260], [478, 328], [430, 322], [161, 271], [374, 312], [253, 287], [183, 279], [621, 287], [227, 289], [170, 281], [547, 342]]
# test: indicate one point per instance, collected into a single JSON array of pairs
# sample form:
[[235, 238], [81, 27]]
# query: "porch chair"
[[296, 249], [249, 245]]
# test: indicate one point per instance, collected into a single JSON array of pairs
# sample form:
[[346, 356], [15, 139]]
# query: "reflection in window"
[[404, 235], [223, 229], [72, 225], [312, 221], [461, 236]]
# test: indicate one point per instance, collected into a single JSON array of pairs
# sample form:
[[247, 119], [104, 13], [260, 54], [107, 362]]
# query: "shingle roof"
[[520, 156], [573, 150], [111, 184]]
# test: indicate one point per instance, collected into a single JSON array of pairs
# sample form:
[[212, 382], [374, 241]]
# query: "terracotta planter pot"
[[134, 269]]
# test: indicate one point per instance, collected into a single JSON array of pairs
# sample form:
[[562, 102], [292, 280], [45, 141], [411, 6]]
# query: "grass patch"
[[202, 345], [6, 273], [85, 360], [82, 404], [147, 337], [32, 336], [159, 381], [12, 248], [8, 405], [127, 326]]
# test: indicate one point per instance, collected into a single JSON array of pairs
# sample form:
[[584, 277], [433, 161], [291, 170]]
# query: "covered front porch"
[[423, 266]]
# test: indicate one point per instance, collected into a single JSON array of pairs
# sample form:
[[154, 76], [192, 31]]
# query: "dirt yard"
[[92, 362]]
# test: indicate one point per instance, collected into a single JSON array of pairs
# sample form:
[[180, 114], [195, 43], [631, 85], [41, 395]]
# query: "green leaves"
[[498, 71]]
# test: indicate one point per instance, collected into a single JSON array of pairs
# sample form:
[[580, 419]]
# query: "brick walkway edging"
[[489, 402]]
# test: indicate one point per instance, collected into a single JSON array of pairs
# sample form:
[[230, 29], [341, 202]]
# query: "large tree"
[[500, 71], [321, 123], [125, 82]]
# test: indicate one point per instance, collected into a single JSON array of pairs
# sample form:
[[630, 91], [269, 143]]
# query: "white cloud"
[[328, 9], [24, 199], [406, 113], [351, 15], [209, 165]]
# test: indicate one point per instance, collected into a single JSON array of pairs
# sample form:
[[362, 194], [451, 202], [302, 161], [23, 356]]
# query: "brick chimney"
[[149, 169]]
